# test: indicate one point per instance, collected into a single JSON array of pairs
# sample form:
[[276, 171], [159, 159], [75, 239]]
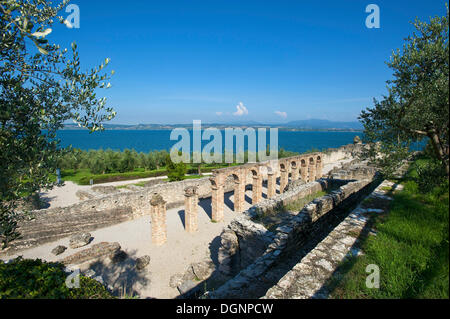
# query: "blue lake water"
[[148, 140]]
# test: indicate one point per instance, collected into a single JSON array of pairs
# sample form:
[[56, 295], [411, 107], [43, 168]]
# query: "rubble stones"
[[58, 250], [142, 262], [80, 240], [97, 251]]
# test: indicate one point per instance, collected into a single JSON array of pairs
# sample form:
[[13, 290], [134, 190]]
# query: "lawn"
[[411, 248], [83, 176]]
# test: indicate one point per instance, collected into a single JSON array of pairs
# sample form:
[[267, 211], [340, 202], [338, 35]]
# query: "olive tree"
[[41, 87], [416, 107]]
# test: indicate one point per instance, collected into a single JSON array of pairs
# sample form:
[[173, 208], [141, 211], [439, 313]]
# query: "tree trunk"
[[439, 149]]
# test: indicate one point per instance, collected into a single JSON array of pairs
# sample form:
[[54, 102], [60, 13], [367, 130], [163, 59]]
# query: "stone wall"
[[250, 250], [103, 206]]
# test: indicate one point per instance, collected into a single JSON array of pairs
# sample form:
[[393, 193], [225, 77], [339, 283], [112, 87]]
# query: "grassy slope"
[[411, 249]]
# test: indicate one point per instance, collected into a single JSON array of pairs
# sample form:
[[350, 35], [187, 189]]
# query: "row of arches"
[[306, 167]]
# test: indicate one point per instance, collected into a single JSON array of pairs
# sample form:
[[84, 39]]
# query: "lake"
[[148, 140]]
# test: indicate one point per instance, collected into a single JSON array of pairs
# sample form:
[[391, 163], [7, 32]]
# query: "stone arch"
[[235, 176], [214, 184], [254, 172], [256, 184]]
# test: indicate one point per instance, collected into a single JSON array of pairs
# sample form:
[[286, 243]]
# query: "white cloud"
[[241, 110], [219, 113], [282, 114]]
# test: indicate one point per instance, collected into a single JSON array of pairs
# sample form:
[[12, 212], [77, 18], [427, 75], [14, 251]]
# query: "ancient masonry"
[[309, 278], [191, 209], [307, 167], [108, 206], [253, 246], [158, 217]]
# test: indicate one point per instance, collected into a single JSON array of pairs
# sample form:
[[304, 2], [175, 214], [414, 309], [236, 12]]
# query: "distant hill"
[[301, 125], [324, 124]]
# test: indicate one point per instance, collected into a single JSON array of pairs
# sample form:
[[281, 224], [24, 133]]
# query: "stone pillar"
[[239, 194], [158, 218], [257, 189], [319, 170], [191, 209], [295, 173], [283, 180], [271, 185], [311, 172], [304, 173], [217, 200]]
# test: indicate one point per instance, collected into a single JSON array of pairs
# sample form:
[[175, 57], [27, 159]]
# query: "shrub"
[[36, 279], [176, 172], [430, 174]]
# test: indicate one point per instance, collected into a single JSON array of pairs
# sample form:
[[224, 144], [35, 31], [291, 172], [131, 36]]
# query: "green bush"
[[430, 174], [35, 279], [175, 171]]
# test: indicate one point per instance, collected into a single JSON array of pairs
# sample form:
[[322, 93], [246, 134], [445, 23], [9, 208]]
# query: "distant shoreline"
[[220, 127]]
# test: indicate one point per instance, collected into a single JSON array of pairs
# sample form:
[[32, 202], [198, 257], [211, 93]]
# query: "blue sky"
[[222, 61]]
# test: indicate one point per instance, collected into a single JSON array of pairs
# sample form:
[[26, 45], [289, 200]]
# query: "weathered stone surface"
[[176, 280], [58, 250], [105, 210], [188, 274], [89, 273], [158, 219], [80, 240], [105, 189], [293, 184], [188, 286], [308, 278], [97, 251], [85, 194], [99, 279], [203, 269], [142, 262]]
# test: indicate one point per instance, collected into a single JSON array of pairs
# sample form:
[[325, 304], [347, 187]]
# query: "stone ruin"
[[105, 206], [247, 247]]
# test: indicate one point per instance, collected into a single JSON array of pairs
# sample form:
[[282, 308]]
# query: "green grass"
[[411, 249], [298, 204], [83, 176]]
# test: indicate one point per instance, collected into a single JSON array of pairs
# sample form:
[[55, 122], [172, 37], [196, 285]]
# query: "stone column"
[[257, 189], [295, 173], [311, 172], [271, 185], [191, 209], [304, 173], [217, 200], [283, 180], [158, 218], [319, 170], [239, 194]]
